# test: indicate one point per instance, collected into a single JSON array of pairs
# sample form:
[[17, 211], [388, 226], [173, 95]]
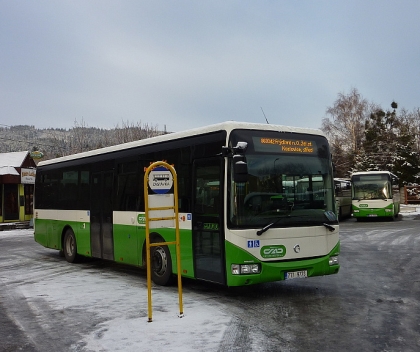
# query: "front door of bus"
[[207, 220], [101, 237]]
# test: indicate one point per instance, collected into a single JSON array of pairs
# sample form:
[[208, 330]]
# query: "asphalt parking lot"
[[370, 305]]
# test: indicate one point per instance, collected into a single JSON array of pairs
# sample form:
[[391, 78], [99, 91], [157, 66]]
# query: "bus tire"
[[70, 247], [160, 258]]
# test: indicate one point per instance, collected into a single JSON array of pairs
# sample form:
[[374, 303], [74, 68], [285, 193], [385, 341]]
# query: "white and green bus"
[[375, 194], [239, 222]]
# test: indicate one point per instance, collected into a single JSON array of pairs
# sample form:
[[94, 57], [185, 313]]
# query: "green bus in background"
[[243, 217], [375, 194]]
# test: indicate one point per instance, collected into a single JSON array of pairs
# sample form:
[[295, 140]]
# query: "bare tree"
[[79, 138], [413, 120], [59, 142], [345, 128], [129, 132], [347, 118]]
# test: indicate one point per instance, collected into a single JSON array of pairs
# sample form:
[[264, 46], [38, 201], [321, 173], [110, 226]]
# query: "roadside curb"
[[14, 225]]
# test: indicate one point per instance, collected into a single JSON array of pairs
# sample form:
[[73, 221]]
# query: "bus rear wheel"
[[70, 246], [161, 265]]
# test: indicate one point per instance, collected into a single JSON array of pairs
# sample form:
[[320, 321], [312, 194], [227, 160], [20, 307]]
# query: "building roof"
[[8, 170], [9, 161]]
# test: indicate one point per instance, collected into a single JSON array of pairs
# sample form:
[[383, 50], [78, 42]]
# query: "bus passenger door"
[[101, 235], [207, 220]]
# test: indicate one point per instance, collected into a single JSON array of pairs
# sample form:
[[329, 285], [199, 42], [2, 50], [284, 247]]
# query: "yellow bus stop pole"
[[148, 264], [177, 236]]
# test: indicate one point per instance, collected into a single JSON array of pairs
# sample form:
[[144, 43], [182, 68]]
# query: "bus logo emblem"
[[275, 251], [141, 219]]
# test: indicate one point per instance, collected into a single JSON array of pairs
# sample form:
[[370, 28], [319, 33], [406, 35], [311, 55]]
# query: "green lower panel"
[[129, 242], [187, 267], [40, 232], [373, 212], [82, 231], [275, 271], [49, 233]]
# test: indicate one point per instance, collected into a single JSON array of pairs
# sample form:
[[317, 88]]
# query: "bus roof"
[[338, 179], [373, 173], [227, 126]]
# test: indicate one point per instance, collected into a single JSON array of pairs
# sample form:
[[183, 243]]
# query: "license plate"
[[295, 274], [373, 215]]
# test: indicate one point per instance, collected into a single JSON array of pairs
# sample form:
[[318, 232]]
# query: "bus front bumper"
[[286, 270]]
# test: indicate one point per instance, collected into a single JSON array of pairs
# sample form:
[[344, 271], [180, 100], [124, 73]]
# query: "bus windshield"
[[372, 187], [288, 187]]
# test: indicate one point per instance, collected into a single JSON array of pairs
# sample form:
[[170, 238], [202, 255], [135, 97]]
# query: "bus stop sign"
[[160, 180]]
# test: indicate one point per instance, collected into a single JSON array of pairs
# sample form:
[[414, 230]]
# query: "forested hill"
[[55, 142]]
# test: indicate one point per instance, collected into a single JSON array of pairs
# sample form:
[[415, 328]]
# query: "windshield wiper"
[[267, 227], [270, 225]]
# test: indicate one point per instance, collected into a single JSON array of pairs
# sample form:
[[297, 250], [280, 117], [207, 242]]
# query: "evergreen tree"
[[381, 133], [364, 162], [406, 163], [390, 145]]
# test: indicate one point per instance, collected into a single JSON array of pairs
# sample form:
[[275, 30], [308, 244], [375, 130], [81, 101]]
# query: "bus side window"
[[184, 204], [337, 189], [215, 203]]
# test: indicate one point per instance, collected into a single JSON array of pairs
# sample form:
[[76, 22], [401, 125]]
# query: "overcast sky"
[[182, 64]]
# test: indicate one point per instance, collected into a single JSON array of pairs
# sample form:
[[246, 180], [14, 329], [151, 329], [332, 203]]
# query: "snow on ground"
[[409, 209], [127, 329], [119, 303]]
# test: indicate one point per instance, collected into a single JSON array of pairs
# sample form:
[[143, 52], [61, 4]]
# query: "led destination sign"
[[282, 145]]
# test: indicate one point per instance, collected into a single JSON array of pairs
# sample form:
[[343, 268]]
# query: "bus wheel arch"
[[161, 262], [70, 245]]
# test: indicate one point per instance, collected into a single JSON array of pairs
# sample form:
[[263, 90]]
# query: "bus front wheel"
[[70, 246], [161, 265]]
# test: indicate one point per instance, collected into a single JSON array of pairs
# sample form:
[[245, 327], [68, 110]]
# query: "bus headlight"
[[333, 260], [244, 269], [388, 210]]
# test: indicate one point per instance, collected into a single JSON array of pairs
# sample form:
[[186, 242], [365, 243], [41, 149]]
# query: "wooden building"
[[17, 180]]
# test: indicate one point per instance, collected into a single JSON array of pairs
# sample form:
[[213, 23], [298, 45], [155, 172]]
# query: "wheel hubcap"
[[160, 261], [69, 246]]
